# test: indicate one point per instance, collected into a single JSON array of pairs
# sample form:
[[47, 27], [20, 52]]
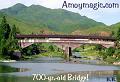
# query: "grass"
[[88, 50], [45, 54], [90, 53]]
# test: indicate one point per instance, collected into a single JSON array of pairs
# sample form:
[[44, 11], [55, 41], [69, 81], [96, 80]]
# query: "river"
[[22, 71]]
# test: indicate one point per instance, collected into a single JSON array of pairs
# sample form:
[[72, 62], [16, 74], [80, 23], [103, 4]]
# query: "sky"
[[108, 16]]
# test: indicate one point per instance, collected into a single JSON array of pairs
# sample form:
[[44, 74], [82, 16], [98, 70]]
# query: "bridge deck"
[[19, 36]]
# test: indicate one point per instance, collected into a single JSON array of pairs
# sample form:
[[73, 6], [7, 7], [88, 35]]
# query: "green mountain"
[[115, 27], [15, 9], [23, 27], [54, 19]]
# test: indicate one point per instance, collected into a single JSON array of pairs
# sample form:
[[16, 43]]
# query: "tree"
[[8, 41], [5, 28], [12, 41], [118, 34], [13, 31], [112, 34], [2, 46], [117, 44], [4, 35], [98, 47], [110, 51], [83, 47], [31, 50], [42, 31], [117, 53], [51, 48]]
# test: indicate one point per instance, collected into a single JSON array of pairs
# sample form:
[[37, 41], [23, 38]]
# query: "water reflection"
[[9, 69], [22, 72], [48, 60]]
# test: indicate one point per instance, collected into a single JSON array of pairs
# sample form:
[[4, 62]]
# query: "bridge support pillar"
[[67, 48], [68, 53]]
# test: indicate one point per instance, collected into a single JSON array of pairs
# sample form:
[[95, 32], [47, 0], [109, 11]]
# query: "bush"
[[51, 48], [110, 51], [98, 47], [110, 59]]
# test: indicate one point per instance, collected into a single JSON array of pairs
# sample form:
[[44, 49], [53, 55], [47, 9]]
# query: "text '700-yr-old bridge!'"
[[65, 42]]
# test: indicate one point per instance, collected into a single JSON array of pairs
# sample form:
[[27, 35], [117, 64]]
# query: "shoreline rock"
[[7, 60], [116, 63]]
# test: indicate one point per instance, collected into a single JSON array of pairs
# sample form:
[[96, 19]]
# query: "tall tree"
[[12, 41], [5, 29], [3, 35], [8, 41]]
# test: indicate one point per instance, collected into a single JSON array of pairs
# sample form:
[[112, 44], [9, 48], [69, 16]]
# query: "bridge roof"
[[19, 36]]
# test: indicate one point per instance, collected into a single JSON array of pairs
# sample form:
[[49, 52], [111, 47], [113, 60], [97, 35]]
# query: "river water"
[[24, 71]]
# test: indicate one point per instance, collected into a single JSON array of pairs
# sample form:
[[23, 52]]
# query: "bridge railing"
[[67, 41]]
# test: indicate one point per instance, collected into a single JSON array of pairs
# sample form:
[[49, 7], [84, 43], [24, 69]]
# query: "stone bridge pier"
[[67, 48]]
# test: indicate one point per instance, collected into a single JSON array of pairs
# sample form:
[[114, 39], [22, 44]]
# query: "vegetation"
[[41, 50], [54, 19], [8, 69], [8, 42], [24, 28], [31, 50], [109, 55]]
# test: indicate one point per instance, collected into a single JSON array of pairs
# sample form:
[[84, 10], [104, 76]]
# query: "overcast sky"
[[107, 16]]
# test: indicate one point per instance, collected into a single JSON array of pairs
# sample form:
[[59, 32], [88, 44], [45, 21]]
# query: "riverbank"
[[88, 57], [91, 62], [45, 54], [96, 52]]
